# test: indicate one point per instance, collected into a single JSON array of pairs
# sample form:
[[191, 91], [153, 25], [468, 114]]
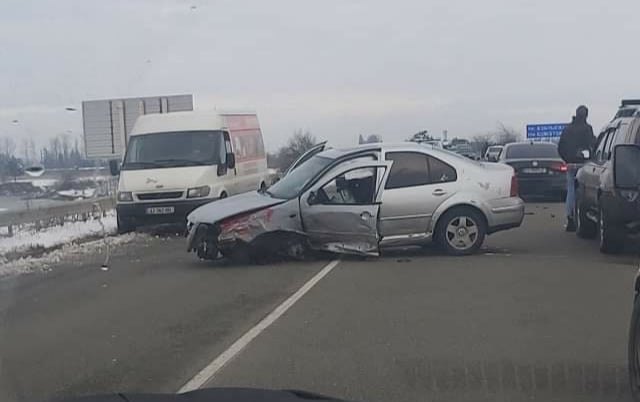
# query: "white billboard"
[[108, 122]]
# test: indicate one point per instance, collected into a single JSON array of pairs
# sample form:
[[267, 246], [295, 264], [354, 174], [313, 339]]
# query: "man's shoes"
[[571, 225]]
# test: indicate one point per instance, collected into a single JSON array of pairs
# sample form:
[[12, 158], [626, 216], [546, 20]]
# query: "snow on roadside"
[[55, 236], [66, 253]]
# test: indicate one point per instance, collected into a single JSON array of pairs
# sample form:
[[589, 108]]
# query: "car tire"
[[585, 227], [611, 237], [633, 350], [124, 225], [461, 231]]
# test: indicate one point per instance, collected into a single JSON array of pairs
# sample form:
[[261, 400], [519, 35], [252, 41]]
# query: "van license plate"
[[160, 210]]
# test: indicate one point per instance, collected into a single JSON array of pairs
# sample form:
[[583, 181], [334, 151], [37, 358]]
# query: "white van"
[[178, 161]]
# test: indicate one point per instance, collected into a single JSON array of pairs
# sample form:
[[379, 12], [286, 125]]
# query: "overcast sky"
[[338, 68]]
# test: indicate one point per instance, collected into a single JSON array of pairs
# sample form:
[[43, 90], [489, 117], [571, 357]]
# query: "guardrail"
[[58, 213]]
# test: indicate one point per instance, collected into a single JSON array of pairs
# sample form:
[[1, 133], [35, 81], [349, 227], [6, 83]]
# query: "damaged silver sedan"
[[361, 200]]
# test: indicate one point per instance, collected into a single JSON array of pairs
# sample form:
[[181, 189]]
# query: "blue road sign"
[[545, 132]]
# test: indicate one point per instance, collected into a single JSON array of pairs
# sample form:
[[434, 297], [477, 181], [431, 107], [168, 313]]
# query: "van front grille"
[[160, 196]]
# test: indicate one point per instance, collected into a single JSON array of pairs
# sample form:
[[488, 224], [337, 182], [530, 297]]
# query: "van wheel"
[[263, 187], [223, 195], [611, 237], [124, 225], [461, 231]]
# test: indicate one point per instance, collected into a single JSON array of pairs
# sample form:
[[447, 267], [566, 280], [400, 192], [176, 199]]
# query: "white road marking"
[[207, 373]]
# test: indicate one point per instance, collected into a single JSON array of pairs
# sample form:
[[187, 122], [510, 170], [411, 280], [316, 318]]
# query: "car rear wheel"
[[461, 231], [634, 350], [611, 237], [585, 227]]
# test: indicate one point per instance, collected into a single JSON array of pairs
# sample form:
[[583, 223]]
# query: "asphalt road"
[[538, 315]]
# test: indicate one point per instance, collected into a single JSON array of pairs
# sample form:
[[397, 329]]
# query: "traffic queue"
[[361, 200]]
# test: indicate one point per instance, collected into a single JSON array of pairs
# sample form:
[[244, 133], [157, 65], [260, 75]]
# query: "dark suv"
[[607, 186]]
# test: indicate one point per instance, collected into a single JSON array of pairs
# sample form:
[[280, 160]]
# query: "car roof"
[[546, 144], [444, 154]]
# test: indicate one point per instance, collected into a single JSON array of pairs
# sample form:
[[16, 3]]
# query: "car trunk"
[[530, 168]]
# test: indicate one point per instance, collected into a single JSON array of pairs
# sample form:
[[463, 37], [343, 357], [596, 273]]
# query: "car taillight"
[[562, 167], [514, 186]]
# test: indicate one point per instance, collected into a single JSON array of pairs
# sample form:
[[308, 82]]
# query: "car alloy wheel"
[[462, 233]]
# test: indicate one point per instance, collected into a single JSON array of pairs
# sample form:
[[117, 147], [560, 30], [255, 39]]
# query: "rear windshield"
[[523, 151]]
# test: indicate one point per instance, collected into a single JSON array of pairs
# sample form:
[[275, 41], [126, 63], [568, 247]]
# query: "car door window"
[[621, 137], [440, 172], [606, 153], [601, 143], [355, 187], [409, 169]]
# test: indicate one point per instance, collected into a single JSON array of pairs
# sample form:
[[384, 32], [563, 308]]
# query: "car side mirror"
[[312, 198], [231, 160], [626, 167], [114, 169]]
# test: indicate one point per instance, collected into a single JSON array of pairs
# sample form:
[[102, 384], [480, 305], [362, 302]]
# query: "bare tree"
[[506, 135], [32, 150], [7, 146], [66, 146], [481, 142], [299, 143], [370, 139], [25, 150]]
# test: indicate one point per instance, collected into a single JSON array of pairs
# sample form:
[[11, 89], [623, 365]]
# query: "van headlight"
[[197, 192], [125, 196]]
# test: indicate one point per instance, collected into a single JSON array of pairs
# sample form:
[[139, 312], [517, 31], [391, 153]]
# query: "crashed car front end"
[[257, 232]]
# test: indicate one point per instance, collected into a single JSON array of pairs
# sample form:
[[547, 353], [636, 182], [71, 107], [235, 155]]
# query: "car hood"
[[231, 206]]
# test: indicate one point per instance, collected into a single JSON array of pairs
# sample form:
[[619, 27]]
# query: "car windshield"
[[174, 149], [528, 151], [291, 184]]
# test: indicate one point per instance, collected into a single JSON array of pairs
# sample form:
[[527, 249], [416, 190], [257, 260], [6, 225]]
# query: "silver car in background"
[[360, 200]]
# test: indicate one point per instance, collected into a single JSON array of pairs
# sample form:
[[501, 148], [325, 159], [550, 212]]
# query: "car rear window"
[[525, 151]]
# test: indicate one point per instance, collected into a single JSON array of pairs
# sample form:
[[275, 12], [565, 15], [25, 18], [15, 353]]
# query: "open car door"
[[316, 149], [340, 211]]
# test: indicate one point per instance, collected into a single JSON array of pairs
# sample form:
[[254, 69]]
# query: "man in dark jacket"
[[576, 137]]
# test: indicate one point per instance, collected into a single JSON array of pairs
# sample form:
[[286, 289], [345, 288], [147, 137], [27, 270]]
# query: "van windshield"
[[175, 149]]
